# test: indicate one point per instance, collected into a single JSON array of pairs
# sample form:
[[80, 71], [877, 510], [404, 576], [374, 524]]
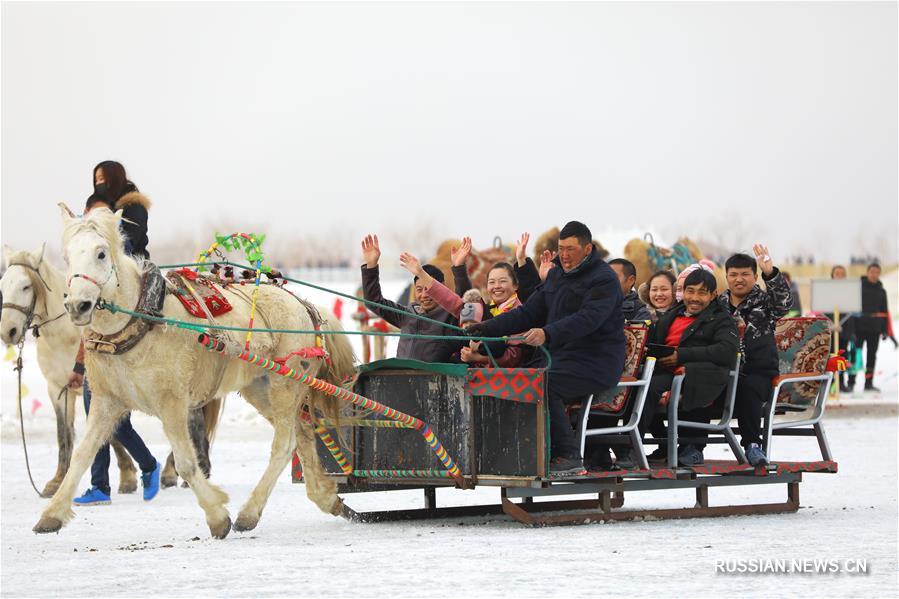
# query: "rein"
[[18, 368]]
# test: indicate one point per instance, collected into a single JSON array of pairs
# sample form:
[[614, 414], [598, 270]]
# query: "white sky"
[[741, 121]]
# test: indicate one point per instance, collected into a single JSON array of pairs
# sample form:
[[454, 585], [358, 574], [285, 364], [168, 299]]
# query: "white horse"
[[32, 296], [168, 372]]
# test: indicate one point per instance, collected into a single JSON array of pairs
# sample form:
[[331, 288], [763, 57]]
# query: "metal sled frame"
[[541, 503]]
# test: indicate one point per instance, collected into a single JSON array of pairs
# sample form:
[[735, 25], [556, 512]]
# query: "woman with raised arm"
[[503, 290]]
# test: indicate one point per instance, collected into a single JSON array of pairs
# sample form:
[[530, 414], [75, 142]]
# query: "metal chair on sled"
[[631, 391], [804, 347], [722, 427]]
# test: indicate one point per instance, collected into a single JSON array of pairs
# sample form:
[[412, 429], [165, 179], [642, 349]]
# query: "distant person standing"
[[847, 331], [873, 324]]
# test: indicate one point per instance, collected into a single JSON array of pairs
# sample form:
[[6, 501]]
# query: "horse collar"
[[150, 301]]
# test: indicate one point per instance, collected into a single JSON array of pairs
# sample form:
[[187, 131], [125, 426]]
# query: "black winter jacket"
[[134, 206], [633, 308], [874, 301], [759, 312], [707, 350], [580, 312]]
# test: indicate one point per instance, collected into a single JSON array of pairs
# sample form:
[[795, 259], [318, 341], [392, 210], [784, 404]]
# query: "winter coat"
[[134, 206], [795, 302], [633, 308], [874, 301], [580, 312], [426, 350], [507, 356], [757, 315], [707, 350]]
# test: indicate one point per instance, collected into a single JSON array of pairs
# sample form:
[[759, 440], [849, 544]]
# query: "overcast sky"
[[740, 121]]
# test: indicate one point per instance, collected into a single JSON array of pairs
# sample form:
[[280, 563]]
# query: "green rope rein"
[[182, 324]]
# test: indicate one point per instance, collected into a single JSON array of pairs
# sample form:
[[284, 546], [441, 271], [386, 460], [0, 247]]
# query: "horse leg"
[[196, 426], [127, 471], [321, 489], [282, 446], [211, 498], [101, 422], [64, 438], [169, 477]]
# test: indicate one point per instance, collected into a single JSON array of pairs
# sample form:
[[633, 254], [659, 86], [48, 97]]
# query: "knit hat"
[[471, 312]]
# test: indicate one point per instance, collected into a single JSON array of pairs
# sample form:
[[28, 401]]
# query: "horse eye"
[[101, 256], [26, 287]]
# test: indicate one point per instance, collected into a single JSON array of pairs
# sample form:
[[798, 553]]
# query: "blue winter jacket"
[[580, 311]]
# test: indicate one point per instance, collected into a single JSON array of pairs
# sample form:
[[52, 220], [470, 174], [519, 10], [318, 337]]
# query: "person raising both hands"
[[404, 317]]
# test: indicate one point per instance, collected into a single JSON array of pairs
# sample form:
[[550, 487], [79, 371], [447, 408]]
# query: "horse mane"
[[104, 223]]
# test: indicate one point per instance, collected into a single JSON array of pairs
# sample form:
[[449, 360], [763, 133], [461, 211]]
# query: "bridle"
[[29, 311], [79, 275]]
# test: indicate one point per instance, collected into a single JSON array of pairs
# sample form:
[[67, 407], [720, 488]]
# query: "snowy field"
[[162, 548]]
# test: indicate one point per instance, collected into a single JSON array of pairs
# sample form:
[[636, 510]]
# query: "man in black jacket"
[[576, 314], [756, 313], [631, 306], [872, 324], [707, 344]]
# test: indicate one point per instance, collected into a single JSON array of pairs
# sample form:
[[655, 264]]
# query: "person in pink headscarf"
[[679, 285]]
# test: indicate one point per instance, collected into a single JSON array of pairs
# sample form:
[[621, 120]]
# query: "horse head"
[[19, 292], [92, 247]]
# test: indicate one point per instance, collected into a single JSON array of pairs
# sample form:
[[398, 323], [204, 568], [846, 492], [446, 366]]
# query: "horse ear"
[[118, 214], [66, 213], [7, 252], [38, 254]]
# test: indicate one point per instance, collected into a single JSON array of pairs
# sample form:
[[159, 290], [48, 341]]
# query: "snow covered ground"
[[162, 548]]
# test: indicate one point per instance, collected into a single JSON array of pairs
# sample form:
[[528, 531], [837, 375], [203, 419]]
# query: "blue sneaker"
[[150, 481], [756, 456], [690, 456], [93, 496]]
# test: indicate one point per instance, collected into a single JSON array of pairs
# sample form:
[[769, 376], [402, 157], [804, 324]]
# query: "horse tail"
[[212, 413], [339, 370]]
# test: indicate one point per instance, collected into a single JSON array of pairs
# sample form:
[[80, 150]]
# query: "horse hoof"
[[127, 486], [245, 523], [47, 524], [168, 481], [221, 530]]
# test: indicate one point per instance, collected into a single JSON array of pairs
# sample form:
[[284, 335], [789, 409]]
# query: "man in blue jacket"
[[576, 313]]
